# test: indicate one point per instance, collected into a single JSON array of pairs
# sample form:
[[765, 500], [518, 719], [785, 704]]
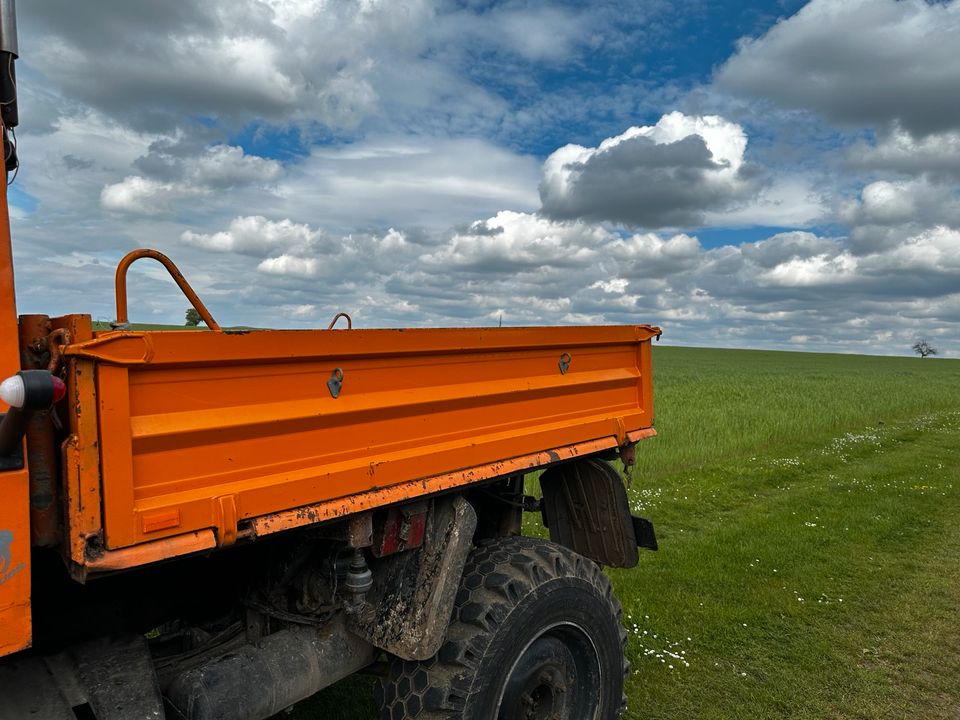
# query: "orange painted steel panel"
[[81, 451], [15, 618], [208, 430], [150, 552]]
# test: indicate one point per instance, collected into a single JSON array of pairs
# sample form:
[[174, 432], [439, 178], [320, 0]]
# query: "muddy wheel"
[[535, 634]]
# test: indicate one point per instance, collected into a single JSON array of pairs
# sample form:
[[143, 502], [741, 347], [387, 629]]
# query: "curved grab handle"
[[337, 317], [121, 282]]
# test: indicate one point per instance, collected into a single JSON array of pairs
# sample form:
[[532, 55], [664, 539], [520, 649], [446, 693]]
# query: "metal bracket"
[[226, 508], [335, 383], [564, 363]]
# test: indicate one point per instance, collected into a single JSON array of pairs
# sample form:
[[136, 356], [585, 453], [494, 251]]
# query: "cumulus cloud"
[[408, 181], [141, 196], [225, 166], [887, 212], [885, 203], [219, 167], [402, 183], [664, 175], [793, 289], [936, 156], [333, 62], [785, 200], [303, 312], [289, 265], [785, 248], [512, 241], [255, 235], [526, 268], [858, 62], [650, 256]]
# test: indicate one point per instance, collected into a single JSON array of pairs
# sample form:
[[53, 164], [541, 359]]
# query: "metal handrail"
[[121, 286], [337, 317]]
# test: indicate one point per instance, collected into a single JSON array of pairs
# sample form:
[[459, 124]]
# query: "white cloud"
[[888, 212], [935, 251], [858, 62], [407, 181], [401, 134], [616, 286], [664, 175], [785, 247], [255, 235], [649, 256], [140, 196], [886, 203], [219, 167], [227, 166], [289, 265], [936, 156], [811, 271], [333, 62], [786, 201], [304, 313], [511, 241]]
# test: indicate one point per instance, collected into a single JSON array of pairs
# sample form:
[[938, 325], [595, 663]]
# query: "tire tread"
[[498, 574]]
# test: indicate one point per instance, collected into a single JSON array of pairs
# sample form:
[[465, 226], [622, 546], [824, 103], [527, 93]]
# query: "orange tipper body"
[[202, 438]]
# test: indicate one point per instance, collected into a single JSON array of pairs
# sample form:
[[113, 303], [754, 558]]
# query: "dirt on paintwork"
[[409, 607]]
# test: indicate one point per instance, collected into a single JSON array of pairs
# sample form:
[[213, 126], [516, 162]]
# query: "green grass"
[[103, 325], [809, 522]]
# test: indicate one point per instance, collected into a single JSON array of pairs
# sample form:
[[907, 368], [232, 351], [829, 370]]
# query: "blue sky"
[[776, 174]]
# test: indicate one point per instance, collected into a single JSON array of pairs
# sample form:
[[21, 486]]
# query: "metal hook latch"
[[564, 363], [335, 383]]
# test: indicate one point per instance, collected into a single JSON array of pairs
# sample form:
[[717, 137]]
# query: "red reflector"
[[59, 388]]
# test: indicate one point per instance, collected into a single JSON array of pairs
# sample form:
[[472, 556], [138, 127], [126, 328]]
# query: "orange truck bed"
[[201, 438]]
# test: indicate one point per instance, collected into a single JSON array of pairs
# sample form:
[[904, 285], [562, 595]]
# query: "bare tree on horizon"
[[924, 348]]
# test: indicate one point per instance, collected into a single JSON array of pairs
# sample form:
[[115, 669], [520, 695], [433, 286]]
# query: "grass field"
[[808, 512]]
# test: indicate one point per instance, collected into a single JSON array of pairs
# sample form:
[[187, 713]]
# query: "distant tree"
[[924, 348], [193, 317]]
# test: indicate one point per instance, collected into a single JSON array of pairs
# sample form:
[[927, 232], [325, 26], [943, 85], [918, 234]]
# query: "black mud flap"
[[646, 537], [585, 507]]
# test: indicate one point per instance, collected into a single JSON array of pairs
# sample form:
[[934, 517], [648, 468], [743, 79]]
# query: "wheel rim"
[[556, 677]]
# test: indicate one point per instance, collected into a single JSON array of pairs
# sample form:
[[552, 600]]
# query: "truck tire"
[[535, 633]]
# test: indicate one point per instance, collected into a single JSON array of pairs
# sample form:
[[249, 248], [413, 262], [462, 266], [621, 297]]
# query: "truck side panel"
[[15, 622], [207, 430]]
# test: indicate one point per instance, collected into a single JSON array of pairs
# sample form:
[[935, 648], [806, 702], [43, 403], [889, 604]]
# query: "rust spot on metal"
[[55, 342], [93, 548]]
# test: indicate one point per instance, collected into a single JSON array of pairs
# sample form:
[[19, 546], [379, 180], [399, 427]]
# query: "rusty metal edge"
[[205, 540], [153, 551], [377, 497]]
